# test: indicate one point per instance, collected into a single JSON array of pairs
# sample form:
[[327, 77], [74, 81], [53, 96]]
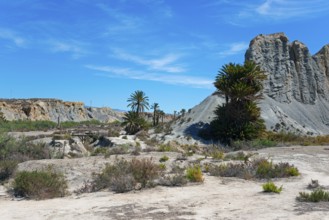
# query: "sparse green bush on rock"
[[271, 187], [7, 168], [164, 158], [194, 174], [318, 195], [45, 184], [259, 168], [123, 175]]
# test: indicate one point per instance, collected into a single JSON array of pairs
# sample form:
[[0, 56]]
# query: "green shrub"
[[144, 171], [123, 175], [194, 174], [263, 143], [238, 156], [99, 151], [260, 168], [165, 148], [231, 170], [45, 184], [177, 179], [318, 195], [118, 177], [162, 166], [266, 169], [164, 159], [120, 149], [271, 187], [7, 168], [25, 125], [137, 150], [217, 155], [21, 149]]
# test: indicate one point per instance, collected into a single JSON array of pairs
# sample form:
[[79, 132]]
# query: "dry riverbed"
[[216, 198]]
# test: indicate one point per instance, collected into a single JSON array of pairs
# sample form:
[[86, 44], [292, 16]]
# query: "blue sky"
[[100, 51]]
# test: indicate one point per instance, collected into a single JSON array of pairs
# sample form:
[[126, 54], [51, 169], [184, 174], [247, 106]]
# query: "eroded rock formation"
[[296, 92], [54, 109]]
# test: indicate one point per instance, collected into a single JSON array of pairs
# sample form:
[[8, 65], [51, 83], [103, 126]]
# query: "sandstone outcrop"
[[54, 109]]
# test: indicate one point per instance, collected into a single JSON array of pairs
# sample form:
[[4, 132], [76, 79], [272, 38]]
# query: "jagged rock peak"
[[293, 73], [262, 37]]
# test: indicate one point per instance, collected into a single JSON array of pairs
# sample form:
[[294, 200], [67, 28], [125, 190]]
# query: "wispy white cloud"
[[281, 9], [12, 37], [234, 48], [121, 22], [165, 63], [191, 81], [241, 12], [75, 48]]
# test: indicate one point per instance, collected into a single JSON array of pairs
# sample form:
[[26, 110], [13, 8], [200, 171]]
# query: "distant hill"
[[54, 109]]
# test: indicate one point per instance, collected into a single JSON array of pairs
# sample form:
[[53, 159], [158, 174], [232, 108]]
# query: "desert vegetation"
[[45, 184], [239, 118], [271, 187], [256, 169]]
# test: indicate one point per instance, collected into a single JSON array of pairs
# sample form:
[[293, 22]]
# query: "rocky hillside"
[[295, 92], [54, 109]]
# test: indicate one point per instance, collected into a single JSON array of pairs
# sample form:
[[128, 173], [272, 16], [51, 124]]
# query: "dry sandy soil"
[[216, 198]]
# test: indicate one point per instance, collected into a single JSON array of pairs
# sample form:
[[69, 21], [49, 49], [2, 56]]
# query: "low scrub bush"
[[137, 149], [254, 144], [260, 168], [318, 195], [7, 168], [239, 170], [123, 175], [266, 169], [99, 151], [217, 154], [238, 156], [22, 125], [177, 179], [121, 149], [14, 151], [164, 159], [117, 177], [194, 174], [271, 187], [166, 148], [21, 149], [144, 171], [45, 184]]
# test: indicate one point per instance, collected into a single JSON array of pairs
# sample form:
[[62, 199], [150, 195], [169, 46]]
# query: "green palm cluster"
[[138, 102], [133, 119], [239, 117]]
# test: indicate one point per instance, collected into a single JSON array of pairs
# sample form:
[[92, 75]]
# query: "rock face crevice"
[[293, 73], [54, 109]]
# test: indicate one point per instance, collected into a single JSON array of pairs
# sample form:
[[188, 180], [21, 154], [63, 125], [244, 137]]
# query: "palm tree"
[[138, 101], [240, 82], [182, 112], [239, 117], [162, 114], [132, 121], [155, 108]]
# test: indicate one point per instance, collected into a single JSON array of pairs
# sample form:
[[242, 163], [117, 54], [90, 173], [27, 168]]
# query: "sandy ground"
[[216, 198]]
